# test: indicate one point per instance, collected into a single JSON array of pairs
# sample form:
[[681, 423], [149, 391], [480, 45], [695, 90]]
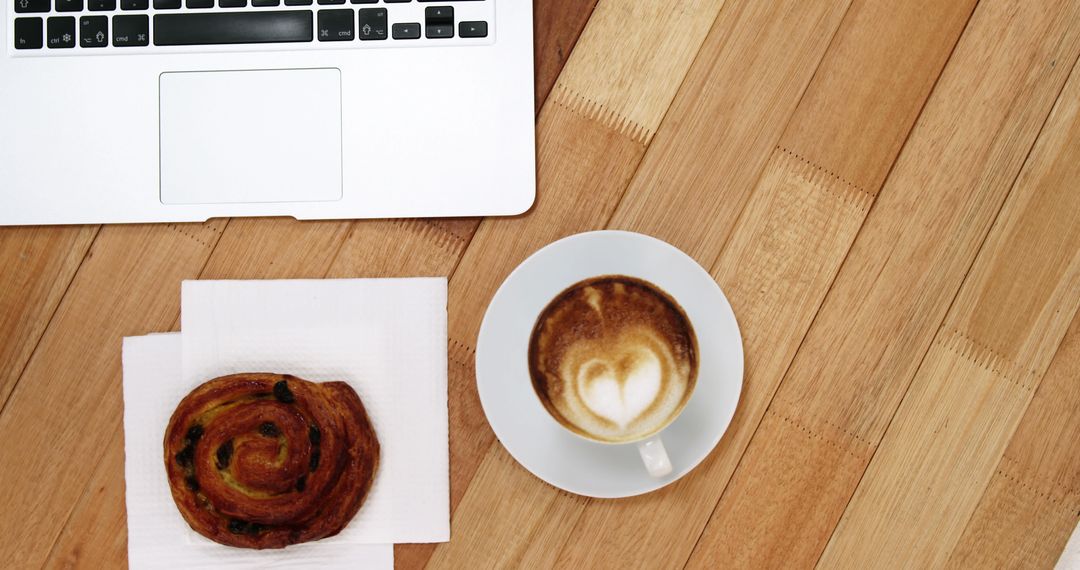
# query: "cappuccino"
[[613, 358]]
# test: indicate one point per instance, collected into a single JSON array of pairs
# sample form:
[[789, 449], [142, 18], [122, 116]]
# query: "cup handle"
[[654, 456]]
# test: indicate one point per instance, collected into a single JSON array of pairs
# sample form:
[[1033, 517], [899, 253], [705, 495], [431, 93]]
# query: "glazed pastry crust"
[[258, 460]]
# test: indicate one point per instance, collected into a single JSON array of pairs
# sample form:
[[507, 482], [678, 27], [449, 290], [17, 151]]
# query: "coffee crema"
[[613, 358]]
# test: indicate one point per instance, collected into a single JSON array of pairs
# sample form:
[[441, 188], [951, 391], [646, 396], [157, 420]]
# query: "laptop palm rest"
[[250, 136]]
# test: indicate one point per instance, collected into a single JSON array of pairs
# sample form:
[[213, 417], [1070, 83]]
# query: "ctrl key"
[[28, 33]]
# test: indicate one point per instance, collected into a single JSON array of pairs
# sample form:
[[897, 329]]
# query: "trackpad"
[[250, 136]]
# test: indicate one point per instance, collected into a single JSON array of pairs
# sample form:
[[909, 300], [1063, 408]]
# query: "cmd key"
[[131, 31], [335, 25]]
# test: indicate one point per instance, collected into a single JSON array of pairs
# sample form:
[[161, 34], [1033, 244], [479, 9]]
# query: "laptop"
[[117, 111]]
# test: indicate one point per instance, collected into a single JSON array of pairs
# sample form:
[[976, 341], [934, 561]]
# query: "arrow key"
[[94, 31]]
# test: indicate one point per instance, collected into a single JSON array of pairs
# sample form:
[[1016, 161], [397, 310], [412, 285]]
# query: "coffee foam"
[[613, 358]]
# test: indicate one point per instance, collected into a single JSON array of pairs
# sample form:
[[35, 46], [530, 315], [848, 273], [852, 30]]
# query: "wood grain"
[[68, 405], [1032, 503], [38, 265], [557, 25], [978, 378], [737, 99], [895, 286]]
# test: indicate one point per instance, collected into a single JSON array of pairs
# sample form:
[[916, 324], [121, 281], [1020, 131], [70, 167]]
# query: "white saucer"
[[532, 436]]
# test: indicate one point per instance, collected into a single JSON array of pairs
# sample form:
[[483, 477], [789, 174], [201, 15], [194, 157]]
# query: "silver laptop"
[[118, 111]]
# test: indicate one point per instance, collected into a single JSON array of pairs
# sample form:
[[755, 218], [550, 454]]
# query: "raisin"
[[269, 430], [192, 483], [314, 462], [282, 393], [224, 454], [237, 526], [301, 483], [185, 456], [314, 435], [194, 433]]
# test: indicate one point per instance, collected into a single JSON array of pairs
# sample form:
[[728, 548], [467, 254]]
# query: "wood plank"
[[787, 247], [67, 406], [1032, 503], [894, 288], [979, 376], [38, 265], [557, 24], [740, 94], [590, 142]]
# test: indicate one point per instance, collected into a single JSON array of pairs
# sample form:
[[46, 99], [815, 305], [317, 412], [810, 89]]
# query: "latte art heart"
[[613, 359], [622, 390]]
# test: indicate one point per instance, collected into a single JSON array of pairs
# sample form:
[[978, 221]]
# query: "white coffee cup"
[[557, 455]]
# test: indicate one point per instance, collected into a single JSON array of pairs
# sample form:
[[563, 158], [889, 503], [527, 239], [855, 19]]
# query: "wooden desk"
[[888, 192]]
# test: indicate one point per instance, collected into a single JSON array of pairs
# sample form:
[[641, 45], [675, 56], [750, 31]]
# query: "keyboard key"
[[265, 3], [372, 24], [134, 4], [69, 5], [365, 1], [440, 31], [60, 33], [94, 31], [213, 28], [232, 3], [166, 4], [335, 25], [472, 29], [330, 2], [407, 31], [439, 21], [31, 6], [28, 33], [199, 4], [131, 31], [298, 2], [101, 5], [439, 14], [396, 1]]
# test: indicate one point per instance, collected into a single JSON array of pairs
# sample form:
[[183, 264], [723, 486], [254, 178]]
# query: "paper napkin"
[[153, 385], [385, 337]]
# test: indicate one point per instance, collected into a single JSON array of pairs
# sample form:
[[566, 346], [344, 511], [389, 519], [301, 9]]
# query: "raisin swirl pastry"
[[267, 460]]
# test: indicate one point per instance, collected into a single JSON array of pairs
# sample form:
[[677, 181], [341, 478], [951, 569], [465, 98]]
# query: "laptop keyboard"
[[94, 26]]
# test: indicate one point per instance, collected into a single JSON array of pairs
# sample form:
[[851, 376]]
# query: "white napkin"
[[153, 385], [385, 337]]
